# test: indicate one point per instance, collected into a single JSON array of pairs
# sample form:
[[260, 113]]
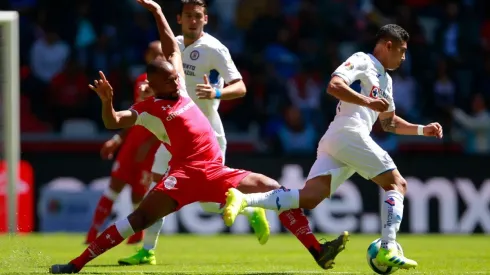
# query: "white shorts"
[[163, 156], [344, 153]]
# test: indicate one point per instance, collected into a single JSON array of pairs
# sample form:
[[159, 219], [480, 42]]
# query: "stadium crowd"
[[285, 51]]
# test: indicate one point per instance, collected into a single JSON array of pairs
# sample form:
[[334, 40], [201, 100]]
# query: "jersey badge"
[[170, 182], [194, 55]]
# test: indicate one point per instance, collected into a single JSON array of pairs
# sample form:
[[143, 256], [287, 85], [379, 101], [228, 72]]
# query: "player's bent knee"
[[116, 185], [401, 185]]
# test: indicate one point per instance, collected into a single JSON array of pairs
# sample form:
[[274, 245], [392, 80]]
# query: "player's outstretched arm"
[[111, 118], [170, 48], [390, 122]]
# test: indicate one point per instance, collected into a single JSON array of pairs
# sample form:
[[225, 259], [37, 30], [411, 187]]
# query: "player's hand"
[[103, 88], [433, 130], [379, 105], [145, 91], [205, 91], [149, 5], [109, 148]]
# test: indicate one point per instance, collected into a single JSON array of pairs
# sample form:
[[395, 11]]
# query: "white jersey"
[[207, 56], [375, 83]]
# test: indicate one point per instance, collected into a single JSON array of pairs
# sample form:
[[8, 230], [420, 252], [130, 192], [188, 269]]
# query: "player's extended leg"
[[137, 195], [104, 207], [286, 203], [155, 206], [391, 217], [146, 255]]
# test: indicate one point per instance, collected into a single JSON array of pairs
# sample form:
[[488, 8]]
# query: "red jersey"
[[182, 127]]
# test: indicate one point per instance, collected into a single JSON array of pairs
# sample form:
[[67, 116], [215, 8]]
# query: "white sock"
[[391, 218], [124, 228], [150, 239], [213, 207], [278, 200]]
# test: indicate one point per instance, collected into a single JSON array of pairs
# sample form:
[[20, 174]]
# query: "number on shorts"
[[338, 107]]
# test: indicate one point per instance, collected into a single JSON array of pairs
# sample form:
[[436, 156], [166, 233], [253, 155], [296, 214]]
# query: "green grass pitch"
[[241, 254]]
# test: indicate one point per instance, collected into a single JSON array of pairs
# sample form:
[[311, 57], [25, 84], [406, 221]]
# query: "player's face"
[[163, 84], [396, 54], [192, 19]]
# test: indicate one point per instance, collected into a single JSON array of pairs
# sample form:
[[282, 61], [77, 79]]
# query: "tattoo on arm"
[[388, 125]]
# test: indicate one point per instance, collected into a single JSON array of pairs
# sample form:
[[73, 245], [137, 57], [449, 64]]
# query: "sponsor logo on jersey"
[[349, 65]]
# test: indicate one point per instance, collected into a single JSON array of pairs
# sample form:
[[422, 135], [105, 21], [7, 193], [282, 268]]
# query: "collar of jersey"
[[377, 64], [195, 42]]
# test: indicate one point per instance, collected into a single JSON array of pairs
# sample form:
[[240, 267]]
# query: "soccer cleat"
[[260, 225], [391, 257], [235, 203], [136, 237], [141, 257], [63, 269], [330, 250]]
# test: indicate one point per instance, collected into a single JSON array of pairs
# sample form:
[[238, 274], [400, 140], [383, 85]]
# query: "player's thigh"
[[155, 205], [391, 180], [365, 156], [160, 162], [325, 176], [123, 172]]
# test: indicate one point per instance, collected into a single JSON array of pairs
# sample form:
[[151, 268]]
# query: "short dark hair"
[[392, 32], [201, 3]]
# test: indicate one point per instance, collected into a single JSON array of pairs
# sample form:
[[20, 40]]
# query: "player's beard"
[[191, 34]]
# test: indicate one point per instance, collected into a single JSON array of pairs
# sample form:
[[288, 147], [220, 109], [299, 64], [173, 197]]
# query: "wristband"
[[117, 138], [218, 93], [420, 130]]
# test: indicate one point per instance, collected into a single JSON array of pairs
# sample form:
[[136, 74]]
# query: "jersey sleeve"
[[225, 66], [354, 68], [139, 108]]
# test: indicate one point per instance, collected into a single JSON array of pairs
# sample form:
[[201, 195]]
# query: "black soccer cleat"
[[63, 269], [330, 250]]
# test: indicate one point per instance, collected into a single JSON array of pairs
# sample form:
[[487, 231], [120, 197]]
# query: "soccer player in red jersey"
[[196, 171], [134, 160]]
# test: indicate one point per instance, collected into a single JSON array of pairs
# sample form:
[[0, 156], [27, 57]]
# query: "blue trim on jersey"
[[213, 76]]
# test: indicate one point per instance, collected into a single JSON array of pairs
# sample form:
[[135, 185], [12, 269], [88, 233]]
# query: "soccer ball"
[[372, 251]]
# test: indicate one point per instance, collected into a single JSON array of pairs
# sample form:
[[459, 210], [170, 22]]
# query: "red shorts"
[[127, 168], [205, 182]]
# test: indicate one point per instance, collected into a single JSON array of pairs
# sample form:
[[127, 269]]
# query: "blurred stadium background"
[[285, 50]]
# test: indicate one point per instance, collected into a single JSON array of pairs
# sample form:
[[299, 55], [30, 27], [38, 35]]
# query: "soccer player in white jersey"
[[347, 147], [207, 65]]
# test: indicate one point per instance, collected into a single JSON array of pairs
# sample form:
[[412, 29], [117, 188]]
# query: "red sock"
[[106, 240], [297, 223], [104, 208]]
